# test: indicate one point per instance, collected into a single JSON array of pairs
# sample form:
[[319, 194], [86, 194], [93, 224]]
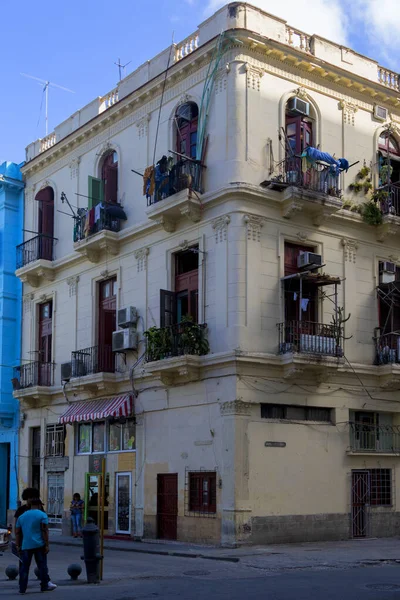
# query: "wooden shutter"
[[95, 191], [111, 185], [167, 308]]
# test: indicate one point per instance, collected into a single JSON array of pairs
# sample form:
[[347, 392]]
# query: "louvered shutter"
[[95, 191]]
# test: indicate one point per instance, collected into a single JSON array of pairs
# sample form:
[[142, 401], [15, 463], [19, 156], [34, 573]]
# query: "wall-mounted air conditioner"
[[125, 339], [298, 106], [380, 112], [66, 371], [387, 272], [309, 259], [127, 317]]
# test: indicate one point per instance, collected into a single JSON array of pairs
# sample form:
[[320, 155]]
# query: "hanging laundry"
[[91, 219], [295, 296], [86, 228], [148, 181], [97, 212], [304, 304], [313, 155]]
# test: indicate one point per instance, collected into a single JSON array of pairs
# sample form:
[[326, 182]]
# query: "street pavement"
[[366, 570]]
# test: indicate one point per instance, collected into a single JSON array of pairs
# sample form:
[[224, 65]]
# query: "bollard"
[[12, 572], [74, 571], [91, 551]]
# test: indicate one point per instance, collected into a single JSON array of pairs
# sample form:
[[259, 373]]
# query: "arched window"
[[186, 119], [45, 197], [298, 126], [388, 158]]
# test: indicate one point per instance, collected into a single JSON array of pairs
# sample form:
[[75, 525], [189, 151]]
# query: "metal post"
[[103, 489], [47, 105]]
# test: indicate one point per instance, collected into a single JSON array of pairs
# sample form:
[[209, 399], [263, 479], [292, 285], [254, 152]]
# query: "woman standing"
[[77, 506]]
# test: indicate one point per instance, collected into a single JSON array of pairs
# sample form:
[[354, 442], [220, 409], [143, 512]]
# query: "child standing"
[[77, 506]]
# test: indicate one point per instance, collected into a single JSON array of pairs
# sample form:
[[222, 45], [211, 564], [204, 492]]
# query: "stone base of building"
[[199, 530]]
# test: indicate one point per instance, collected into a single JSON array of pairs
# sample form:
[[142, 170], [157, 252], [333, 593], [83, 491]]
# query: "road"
[[133, 576]]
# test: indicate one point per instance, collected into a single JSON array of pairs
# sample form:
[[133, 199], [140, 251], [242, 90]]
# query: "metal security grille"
[[55, 436], [381, 487], [201, 493], [55, 497], [370, 488]]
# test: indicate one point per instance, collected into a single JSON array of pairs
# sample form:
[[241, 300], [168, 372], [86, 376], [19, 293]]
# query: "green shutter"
[[95, 191]]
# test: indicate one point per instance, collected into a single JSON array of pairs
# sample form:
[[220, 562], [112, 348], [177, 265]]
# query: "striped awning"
[[120, 406]]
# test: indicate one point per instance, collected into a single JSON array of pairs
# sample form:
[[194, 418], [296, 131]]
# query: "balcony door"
[[309, 308], [46, 223], [107, 324], [45, 343]]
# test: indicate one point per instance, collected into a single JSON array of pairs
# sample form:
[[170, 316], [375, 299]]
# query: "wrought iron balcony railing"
[[318, 178], [39, 247], [34, 373], [374, 438], [387, 349], [97, 359], [389, 196], [177, 340], [109, 219], [310, 338], [173, 178]]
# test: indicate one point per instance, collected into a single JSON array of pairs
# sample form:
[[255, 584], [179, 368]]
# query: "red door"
[[107, 324], [167, 506], [46, 223], [45, 343], [299, 135]]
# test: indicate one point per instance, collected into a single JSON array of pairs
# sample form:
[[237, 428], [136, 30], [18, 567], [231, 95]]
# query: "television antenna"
[[45, 88], [121, 67]]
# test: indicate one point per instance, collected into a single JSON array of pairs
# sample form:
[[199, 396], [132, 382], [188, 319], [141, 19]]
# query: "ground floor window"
[[202, 491], [296, 413], [381, 487], [102, 436]]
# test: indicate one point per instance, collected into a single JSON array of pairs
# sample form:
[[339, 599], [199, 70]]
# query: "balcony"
[[173, 352], [307, 337], [374, 439], [93, 369], [174, 192], [314, 191], [388, 197], [92, 237], [32, 379], [35, 260], [387, 349]]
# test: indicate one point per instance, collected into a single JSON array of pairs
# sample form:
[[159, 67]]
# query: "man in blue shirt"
[[32, 539]]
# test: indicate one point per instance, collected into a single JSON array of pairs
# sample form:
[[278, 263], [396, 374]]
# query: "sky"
[[75, 44]]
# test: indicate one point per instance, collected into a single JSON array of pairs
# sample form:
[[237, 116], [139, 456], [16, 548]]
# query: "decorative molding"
[[28, 299], [72, 283], [292, 372], [183, 99], [105, 274], [235, 407], [253, 77], [191, 211], [220, 84], [167, 224], [29, 193], [45, 184], [143, 126], [388, 228], [139, 420], [350, 249], [302, 93], [253, 227], [290, 209], [394, 258], [105, 148], [392, 127], [220, 227], [74, 167], [302, 236], [349, 110], [141, 257]]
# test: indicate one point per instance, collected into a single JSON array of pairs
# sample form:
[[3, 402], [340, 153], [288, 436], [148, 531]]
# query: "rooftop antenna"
[[121, 68], [46, 85]]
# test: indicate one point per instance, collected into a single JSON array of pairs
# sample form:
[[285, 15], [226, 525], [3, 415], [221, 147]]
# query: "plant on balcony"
[[362, 181], [338, 320], [186, 338], [193, 339], [159, 342], [371, 212]]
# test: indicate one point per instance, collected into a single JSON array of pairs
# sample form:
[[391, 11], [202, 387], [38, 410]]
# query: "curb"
[[232, 559]]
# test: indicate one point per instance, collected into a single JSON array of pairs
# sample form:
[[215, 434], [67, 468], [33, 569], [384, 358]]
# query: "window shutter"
[[167, 308], [95, 191], [111, 185]]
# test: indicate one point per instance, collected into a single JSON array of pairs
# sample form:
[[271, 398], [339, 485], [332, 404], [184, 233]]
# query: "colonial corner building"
[[211, 296]]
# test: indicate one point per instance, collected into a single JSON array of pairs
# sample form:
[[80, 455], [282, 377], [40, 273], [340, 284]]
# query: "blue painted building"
[[11, 224]]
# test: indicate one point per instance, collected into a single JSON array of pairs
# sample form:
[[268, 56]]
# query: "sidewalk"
[[321, 555]]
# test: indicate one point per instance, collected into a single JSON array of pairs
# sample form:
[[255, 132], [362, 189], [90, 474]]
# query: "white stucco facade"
[[277, 479]]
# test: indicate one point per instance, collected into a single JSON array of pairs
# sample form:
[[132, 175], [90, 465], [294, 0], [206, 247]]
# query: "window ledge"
[[372, 453], [34, 272], [179, 369], [170, 211], [94, 245], [317, 205], [96, 382]]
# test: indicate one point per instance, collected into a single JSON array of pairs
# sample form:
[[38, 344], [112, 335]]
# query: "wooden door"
[[107, 324], [167, 506], [46, 223], [45, 343]]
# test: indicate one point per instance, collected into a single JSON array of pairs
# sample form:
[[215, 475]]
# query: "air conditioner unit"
[[387, 272], [127, 316], [298, 106], [125, 339], [309, 259], [66, 371], [380, 112]]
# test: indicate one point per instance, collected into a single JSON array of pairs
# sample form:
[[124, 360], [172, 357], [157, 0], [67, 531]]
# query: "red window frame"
[[203, 492]]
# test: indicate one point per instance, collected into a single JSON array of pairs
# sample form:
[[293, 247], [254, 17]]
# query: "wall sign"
[[275, 444], [56, 463]]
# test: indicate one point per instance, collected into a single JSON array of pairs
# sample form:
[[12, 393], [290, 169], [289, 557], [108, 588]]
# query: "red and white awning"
[[93, 410]]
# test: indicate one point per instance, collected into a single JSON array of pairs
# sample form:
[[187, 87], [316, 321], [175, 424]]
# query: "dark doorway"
[[167, 506], [107, 324], [360, 499], [35, 458], [45, 343], [46, 223]]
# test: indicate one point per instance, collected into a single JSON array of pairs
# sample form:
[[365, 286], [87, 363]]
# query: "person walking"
[[76, 508], [32, 540]]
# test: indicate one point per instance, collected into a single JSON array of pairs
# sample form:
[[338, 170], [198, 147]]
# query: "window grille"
[[55, 436], [201, 493]]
